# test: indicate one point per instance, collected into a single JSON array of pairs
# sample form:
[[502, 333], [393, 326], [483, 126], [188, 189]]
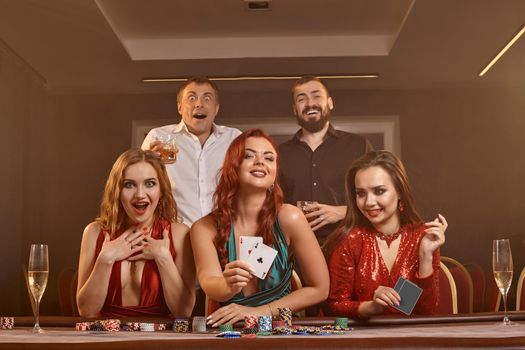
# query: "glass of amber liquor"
[[307, 207], [168, 151]]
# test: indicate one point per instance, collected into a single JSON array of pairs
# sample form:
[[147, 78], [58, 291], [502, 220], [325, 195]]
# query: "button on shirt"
[[195, 174], [319, 175]]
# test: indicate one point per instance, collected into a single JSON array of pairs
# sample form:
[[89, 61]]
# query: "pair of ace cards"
[[260, 256]]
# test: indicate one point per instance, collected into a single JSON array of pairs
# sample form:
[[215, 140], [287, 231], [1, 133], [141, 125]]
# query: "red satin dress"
[[357, 269], [152, 301]]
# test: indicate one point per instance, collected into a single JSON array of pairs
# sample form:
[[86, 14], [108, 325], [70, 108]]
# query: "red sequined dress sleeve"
[[357, 269]]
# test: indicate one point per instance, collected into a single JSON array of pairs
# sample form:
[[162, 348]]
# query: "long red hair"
[[226, 195]]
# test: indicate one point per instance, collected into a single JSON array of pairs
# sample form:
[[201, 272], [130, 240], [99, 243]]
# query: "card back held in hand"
[[409, 293]]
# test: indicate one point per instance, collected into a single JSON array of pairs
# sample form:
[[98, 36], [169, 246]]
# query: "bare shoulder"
[[290, 215], [204, 226], [179, 229], [92, 231], [90, 237], [179, 233]]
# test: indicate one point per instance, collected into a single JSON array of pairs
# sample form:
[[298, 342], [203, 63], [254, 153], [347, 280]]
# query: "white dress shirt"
[[194, 176]]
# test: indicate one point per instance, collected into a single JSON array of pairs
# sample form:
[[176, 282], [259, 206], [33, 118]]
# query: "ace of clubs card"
[[261, 259]]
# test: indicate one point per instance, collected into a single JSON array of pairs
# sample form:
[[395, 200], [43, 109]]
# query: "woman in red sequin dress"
[[381, 239], [135, 258]]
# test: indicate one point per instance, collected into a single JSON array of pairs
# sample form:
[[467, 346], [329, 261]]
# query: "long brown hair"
[[112, 215], [227, 192], [393, 166]]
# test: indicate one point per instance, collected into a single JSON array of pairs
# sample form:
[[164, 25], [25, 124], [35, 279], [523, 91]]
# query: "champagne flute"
[[502, 268], [37, 274]]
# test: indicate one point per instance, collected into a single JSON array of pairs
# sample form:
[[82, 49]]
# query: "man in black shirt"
[[314, 162]]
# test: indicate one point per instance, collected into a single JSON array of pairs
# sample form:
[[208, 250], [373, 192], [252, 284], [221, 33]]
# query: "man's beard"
[[314, 125]]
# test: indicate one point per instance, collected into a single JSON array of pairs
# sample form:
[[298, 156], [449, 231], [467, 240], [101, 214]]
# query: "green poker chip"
[[225, 327]]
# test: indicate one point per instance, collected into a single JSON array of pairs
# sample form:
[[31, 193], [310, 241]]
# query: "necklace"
[[388, 238]]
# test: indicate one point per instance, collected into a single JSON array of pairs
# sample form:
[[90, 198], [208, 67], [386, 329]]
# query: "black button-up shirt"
[[319, 175]]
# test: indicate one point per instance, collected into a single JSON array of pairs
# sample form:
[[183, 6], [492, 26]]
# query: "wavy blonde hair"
[[112, 215]]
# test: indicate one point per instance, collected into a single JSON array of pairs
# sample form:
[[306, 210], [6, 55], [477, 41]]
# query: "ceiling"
[[109, 46]]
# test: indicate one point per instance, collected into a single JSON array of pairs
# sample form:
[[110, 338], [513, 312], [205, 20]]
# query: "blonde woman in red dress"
[[381, 239], [135, 258]]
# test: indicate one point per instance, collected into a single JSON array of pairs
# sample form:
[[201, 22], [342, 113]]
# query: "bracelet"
[[269, 307]]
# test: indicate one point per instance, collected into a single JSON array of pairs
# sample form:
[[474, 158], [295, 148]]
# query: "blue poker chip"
[[229, 334], [323, 333], [232, 336], [300, 333]]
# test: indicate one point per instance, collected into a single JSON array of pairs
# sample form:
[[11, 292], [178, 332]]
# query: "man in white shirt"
[[202, 145]]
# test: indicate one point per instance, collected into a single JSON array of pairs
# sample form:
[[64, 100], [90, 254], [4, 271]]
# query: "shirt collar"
[[330, 132], [216, 130]]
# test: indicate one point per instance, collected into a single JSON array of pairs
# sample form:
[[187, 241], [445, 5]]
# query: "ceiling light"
[[244, 78], [498, 56], [257, 5]]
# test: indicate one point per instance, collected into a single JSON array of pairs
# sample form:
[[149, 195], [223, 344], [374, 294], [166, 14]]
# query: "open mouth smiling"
[[258, 173], [140, 206], [199, 116], [312, 111]]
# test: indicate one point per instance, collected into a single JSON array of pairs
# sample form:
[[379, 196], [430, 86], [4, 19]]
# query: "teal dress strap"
[[277, 283]]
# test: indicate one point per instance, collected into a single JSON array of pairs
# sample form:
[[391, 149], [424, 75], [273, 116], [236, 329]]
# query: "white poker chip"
[[147, 327]]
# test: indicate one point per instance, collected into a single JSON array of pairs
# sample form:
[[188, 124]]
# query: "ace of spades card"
[[261, 259]]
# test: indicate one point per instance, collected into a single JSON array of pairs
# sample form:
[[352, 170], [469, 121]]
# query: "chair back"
[[478, 281], [492, 296], [67, 291], [464, 285], [448, 300], [520, 293]]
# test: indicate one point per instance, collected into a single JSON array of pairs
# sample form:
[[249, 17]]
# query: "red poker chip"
[[82, 326], [251, 321], [112, 325], [278, 323], [160, 327], [7, 322]]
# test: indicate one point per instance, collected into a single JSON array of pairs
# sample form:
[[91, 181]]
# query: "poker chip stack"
[[83, 326], [227, 327], [111, 325], [229, 334], [131, 326], [181, 325], [285, 314], [278, 323], [96, 326], [162, 326], [7, 322], [335, 329], [341, 322], [251, 324], [265, 325], [147, 327]]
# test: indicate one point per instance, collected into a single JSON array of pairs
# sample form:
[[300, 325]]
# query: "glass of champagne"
[[502, 268], [37, 273]]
